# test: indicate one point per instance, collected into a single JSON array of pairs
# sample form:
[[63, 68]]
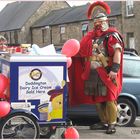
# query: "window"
[[130, 40], [129, 8], [84, 28], [62, 34], [112, 23], [62, 30], [131, 68]]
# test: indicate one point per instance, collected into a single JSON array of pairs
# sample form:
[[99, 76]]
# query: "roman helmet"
[[98, 11]]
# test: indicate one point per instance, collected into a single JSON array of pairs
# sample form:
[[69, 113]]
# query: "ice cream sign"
[[34, 82]]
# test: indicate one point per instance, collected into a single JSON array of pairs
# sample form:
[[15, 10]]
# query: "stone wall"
[[131, 24], [48, 6], [72, 30]]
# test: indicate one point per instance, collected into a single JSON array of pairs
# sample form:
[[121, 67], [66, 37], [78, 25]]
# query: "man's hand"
[[112, 75]]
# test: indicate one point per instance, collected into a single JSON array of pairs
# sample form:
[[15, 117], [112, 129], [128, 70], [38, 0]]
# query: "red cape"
[[79, 71]]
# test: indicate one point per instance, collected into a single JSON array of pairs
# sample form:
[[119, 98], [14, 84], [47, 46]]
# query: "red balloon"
[[70, 47], [3, 84], [7, 95], [4, 108], [69, 62], [71, 133]]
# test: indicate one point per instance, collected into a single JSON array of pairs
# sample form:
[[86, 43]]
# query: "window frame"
[[111, 21], [86, 29], [130, 35], [129, 4], [62, 29]]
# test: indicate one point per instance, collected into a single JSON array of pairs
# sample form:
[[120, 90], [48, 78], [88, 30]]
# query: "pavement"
[[122, 132]]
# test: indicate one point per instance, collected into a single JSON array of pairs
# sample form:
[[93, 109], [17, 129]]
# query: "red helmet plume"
[[98, 5]]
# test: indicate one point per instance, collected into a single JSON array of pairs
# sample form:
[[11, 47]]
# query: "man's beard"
[[98, 31]]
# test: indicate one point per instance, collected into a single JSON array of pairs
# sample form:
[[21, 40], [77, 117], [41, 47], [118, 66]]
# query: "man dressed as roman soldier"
[[102, 52]]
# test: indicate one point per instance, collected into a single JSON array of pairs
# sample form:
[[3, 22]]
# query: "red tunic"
[[79, 71]]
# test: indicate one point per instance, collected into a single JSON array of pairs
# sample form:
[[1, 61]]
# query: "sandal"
[[98, 126], [111, 129]]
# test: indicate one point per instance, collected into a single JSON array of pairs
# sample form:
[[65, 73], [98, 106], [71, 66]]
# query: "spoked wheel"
[[19, 126]]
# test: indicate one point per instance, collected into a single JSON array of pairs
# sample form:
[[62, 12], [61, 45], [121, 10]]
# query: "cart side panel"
[[39, 87]]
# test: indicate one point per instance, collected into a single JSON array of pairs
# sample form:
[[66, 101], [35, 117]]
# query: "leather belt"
[[95, 58]]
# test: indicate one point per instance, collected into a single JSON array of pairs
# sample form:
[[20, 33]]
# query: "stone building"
[[131, 23], [60, 25], [18, 17], [54, 22]]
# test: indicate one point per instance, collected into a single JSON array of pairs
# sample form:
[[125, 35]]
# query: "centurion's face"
[[100, 24]]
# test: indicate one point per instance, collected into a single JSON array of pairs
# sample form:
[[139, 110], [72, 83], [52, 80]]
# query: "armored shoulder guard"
[[117, 36]]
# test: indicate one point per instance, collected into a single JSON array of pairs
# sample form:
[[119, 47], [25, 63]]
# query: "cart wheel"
[[19, 125]]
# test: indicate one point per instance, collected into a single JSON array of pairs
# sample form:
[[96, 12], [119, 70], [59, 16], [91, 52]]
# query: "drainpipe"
[[31, 35], [10, 38], [51, 34]]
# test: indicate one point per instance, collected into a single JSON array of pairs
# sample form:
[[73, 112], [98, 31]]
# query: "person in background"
[[3, 42], [102, 52]]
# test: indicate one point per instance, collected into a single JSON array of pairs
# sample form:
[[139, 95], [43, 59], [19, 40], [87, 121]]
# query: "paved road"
[[122, 132]]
